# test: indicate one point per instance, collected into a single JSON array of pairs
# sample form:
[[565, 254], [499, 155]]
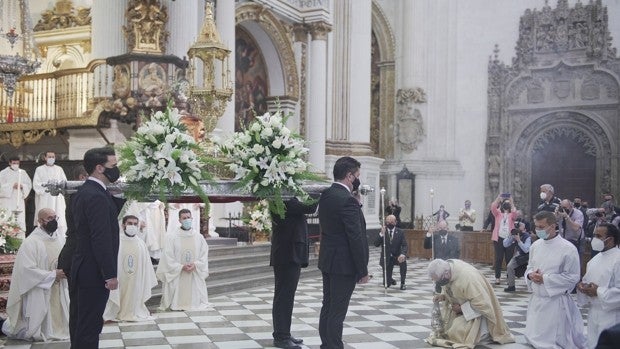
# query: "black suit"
[[65, 258], [449, 250], [95, 215], [396, 246], [289, 253], [343, 258]]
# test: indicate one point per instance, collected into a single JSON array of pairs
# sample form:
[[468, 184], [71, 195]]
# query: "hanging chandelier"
[[19, 55]]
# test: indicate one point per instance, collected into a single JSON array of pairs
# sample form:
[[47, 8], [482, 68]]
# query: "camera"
[[515, 231]]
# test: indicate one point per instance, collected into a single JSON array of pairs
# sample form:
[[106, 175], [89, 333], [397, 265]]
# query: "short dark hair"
[[14, 158], [344, 165], [184, 210], [612, 231], [128, 217], [547, 216], [96, 156], [77, 171]]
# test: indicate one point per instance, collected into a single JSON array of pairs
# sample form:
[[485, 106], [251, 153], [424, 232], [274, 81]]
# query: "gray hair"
[[547, 187], [437, 268]]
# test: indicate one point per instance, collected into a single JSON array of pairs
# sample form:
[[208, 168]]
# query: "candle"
[[19, 190]]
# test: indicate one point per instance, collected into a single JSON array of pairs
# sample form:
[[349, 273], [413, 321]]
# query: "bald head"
[[442, 225], [45, 213]]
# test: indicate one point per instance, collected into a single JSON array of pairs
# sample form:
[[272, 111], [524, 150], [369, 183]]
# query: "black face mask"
[[442, 282], [577, 204], [51, 226], [356, 183], [390, 226], [112, 173]]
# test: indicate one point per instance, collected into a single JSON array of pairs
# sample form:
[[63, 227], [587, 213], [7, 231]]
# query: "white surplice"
[[183, 290], [136, 278], [42, 199], [38, 306], [603, 270], [13, 199], [553, 319], [152, 214]]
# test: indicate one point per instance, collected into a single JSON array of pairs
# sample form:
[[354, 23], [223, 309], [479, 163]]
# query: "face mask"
[[131, 230], [390, 226], [543, 196], [50, 161], [442, 282], [112, 174], [356, 183], [51, 226], [506, 207], [598, 244], [14, 167], [542, 234], [577, 204], [186, 224]]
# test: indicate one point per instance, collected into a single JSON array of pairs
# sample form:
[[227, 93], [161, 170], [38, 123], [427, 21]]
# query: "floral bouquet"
[[260, 218], [9, 242], [268, 159], [162, 158]]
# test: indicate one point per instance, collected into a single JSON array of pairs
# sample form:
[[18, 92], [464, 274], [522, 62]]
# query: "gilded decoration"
[[146, 26], [251, 81], [63, 16], [19, 138]]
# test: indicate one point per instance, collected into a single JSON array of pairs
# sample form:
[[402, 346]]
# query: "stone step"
[[217, 251]]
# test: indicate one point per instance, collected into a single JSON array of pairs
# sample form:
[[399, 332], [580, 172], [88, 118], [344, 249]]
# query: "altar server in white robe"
[[15, 185], [136, 277], [553, 319], [152, 224], [600, 287], [42, 199], [38, 303], [173, 211], [183, 268]]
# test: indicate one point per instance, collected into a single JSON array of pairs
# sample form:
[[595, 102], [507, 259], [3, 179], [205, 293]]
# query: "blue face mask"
[[186, 224], [542, 234]]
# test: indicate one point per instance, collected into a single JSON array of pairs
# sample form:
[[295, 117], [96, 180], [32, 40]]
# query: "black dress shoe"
[[285, 344], [510, 289], [393, 282], [403, 287], [296, 340]]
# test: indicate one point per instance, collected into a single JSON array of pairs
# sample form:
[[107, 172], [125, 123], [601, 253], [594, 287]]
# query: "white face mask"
[[14, 167], [131, 230], [543, 196], [598, 244], [50, 161]]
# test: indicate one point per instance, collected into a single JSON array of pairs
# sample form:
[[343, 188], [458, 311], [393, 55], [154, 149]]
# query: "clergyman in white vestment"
[[553, 319], [600, 287], [136, 277], [183, 268], [38, 303], [42, 199], [12, 198], [152, 224]]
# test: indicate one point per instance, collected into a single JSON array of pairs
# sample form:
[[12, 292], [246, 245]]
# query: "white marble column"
[[225, 22], [317, 95], [107, 24], [184, 20]]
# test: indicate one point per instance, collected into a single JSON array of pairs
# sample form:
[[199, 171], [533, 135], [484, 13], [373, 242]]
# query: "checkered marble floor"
[[377, 319]]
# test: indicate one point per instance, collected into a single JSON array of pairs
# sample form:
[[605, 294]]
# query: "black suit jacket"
[[396, 246], [95, 216], [451, 250], [289, 238], [344, 246]]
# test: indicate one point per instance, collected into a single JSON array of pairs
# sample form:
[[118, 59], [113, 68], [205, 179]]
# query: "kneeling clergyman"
[[471, 313], [183, 268], [136, 277], [38, 303]]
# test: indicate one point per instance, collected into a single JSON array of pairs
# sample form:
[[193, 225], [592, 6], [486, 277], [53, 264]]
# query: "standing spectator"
[[393, 208], [467, 217], [553, 319], [441, 214], [42, 199], [94, 268], [489, 222], [521, 241], [571, 222], [15, 185], [549, 202], [577, 205], [396, 246], [446, 246], [600, 287], [343, 257], [289, 253], [505, 214]]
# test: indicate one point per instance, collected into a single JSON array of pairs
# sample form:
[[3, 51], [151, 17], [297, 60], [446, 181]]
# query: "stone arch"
[[276, 45]]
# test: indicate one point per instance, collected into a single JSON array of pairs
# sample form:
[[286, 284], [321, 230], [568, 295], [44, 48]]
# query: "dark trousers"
[[286, 280], [72, 307], [91, 303], [337, 291], [464, 228], [501, 253], [390, 269]]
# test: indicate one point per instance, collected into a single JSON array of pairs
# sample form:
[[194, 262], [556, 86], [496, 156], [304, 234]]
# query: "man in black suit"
[[94, 267], [343, 257], [397, 250], [289, 253], [446, 245]]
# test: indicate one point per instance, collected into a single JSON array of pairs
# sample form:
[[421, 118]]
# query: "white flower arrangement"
[[260, 217], [9, 229], [162, 158], [268, 158]]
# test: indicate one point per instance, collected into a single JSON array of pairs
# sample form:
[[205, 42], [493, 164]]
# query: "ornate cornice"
[[319, 30], [63, 16]]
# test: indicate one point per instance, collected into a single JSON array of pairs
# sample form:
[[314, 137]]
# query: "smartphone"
[[505, 195]]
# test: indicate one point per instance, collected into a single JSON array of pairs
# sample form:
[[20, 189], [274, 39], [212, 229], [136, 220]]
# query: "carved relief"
[[319, 30], [590, 89], [64, 15], [535, 92], [562, 88], [146, 26], [410, 122]]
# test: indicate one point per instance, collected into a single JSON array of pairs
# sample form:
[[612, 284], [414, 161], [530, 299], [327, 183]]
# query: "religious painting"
[[251, 82]]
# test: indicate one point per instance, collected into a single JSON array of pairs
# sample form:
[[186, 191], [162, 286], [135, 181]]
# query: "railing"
[[62, 95]]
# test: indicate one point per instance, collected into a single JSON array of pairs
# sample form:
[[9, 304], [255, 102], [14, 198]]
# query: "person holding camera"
[[520, 241], [571, 223], [505, 213]]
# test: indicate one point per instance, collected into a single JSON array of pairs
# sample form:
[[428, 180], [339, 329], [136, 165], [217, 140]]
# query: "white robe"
[[42, 199], [9, 196], [553, 319], [603, 270], [182, 290], [136, 278], [152, 214], [38, 306]]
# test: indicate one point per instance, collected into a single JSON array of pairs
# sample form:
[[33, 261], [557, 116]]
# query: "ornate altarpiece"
[[563, 82]]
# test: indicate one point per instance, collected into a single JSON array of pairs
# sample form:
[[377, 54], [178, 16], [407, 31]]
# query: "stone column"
[[298, 121], [184, 20], [317, 94], [107, 24]]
